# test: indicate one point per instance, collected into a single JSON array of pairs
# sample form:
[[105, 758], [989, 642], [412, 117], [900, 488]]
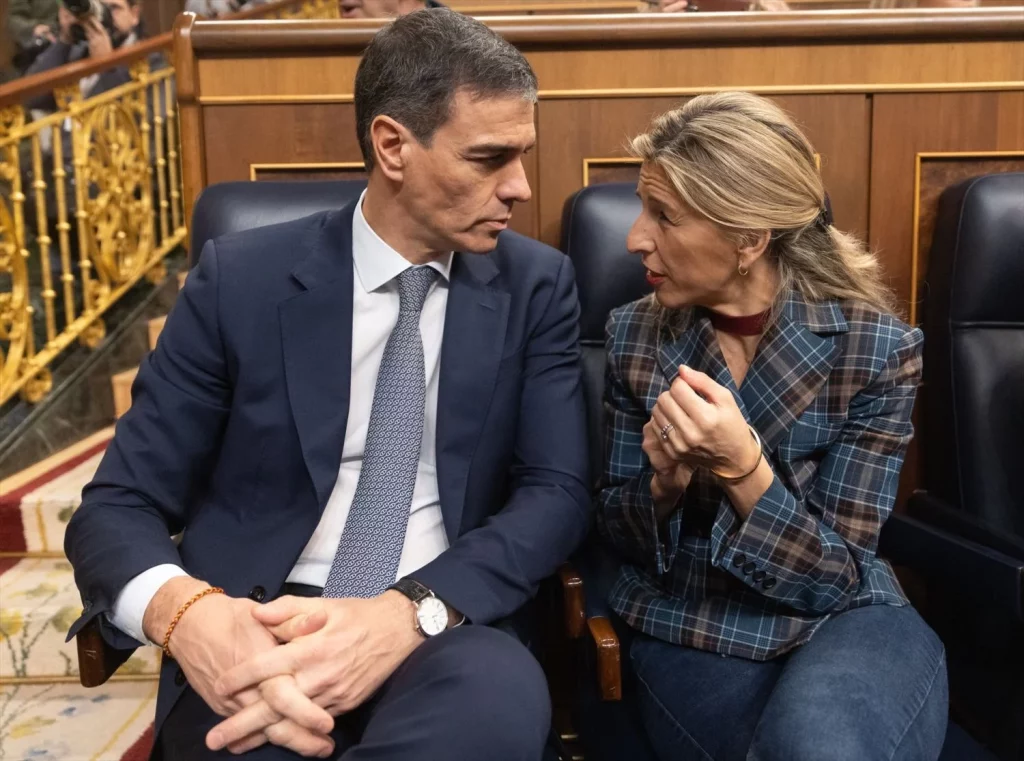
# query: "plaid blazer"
[[830, 392]]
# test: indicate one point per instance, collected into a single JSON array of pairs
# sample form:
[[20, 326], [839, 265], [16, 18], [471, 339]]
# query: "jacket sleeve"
[[810, 551], [491, 571], [161, 452], [626, 517], [56, 55]]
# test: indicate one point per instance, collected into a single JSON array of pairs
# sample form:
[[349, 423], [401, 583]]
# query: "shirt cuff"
[[130, 607]]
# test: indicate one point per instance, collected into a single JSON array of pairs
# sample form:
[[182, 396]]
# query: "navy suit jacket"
[[238, 420]]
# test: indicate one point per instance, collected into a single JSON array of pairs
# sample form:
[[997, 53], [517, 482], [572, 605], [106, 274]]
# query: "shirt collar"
[[376, 263]]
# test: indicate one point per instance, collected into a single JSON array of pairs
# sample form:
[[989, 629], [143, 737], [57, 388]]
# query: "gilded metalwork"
[[93, 334], [90, 203], [82, 217], [37, 386]]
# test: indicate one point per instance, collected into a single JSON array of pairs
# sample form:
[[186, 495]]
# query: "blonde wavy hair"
[[741, 162]]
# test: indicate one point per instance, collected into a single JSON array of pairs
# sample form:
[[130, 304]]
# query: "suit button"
[[769, 582], [257, 593], [748, 569], [179, 678], [739, 560], [758, 575]]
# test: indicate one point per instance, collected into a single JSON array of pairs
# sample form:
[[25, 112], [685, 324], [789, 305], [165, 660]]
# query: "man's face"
[[460, 188], [125, 16]]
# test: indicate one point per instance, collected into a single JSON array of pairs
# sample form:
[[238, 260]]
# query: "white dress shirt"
[[374, 314]]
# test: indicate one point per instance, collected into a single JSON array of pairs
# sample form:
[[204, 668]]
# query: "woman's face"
[[688, 259]]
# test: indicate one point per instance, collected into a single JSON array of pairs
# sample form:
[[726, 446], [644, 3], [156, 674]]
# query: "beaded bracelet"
[[181, 611], [760, 456]]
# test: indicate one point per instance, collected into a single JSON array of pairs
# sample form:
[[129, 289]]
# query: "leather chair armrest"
[[574, 609], [609, 662], [97, 661], [963, 566]]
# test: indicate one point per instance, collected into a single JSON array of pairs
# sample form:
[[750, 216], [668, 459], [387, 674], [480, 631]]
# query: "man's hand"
[[43, 30], [340, 665], [97, 37], [215, 634]]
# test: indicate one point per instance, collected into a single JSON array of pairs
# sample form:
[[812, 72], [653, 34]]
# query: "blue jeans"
[[869, 686]]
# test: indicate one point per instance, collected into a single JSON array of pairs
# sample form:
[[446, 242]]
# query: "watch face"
[[432, 616]]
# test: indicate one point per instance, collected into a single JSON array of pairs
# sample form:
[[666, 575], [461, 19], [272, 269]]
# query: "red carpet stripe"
[[142, 747], [12, 530], [14, 498]]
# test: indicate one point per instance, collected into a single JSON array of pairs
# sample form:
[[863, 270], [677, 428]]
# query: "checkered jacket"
[[830, 392]]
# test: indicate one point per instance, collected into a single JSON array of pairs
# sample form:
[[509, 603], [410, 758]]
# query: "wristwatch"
[[431, 613]]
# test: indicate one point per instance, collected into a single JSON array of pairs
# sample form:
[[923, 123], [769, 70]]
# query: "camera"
[[83, 10]]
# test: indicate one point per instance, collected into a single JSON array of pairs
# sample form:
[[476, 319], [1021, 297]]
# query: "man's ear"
[[752, 247], [388, 138]]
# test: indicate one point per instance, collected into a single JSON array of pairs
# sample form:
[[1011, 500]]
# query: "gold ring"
[[666, 431]]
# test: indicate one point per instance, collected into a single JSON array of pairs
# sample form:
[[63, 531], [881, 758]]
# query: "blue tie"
[[366, 562]]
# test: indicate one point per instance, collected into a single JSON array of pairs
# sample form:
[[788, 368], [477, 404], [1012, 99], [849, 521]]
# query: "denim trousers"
[[870, 685]]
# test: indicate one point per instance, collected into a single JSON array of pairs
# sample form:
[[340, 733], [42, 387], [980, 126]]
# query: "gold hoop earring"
[[743, 270]]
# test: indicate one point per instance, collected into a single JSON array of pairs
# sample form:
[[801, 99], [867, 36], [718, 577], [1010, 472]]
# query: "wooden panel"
[[905, 125], [303, 172], [697, 68], [302, 141], [261, 79], [572, 131], [795, 65], [6, 44], [237, 137]]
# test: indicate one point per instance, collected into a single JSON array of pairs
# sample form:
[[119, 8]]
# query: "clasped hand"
[[283, 671], [315, 673], [704, 428]]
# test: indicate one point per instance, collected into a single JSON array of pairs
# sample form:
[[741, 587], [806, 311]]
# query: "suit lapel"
[[474, 337], [793, 361], [316, 333]]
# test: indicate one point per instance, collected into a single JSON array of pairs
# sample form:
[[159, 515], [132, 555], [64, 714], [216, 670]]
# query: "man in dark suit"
[[386, 392]]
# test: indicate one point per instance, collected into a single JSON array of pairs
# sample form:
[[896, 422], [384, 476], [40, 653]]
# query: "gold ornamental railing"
[[90, 199]]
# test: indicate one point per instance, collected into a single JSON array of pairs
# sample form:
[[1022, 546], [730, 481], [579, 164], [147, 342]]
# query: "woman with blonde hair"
[[758, 414]]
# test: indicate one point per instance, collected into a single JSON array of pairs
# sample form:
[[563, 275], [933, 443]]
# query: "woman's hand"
[[671, 477], [707, 428]]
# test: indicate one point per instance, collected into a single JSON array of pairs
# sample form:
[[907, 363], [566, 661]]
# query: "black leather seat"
[[234, 206], [973, 433], [594, 227]]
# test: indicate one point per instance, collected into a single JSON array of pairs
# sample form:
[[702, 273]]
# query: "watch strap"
[[411, 589]]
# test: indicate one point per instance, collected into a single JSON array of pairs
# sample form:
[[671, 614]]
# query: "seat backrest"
[[595, 222], [973, 393], [229, 207]]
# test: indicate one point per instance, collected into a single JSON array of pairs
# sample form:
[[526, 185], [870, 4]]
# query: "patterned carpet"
[[45, 714]]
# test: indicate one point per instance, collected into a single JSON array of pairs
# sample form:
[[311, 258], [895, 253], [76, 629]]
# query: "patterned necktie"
[[366, 562]]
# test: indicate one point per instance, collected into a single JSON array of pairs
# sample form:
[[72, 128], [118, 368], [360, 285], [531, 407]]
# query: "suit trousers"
[[470, 693]]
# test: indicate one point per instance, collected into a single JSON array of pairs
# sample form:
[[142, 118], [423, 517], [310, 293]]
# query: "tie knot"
[[413, 285]]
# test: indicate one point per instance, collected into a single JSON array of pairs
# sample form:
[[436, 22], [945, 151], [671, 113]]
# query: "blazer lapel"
[[316, 333], [792, 362], [688, 339], [475, 321]]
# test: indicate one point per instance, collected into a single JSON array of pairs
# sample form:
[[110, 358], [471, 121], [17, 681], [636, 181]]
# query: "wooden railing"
[[90, 199]]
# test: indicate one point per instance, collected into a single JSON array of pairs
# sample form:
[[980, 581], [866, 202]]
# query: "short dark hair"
[[413, 67]]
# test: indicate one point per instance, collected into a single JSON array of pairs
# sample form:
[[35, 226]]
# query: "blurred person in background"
[[112, 24], [383, 8], [31, 24]]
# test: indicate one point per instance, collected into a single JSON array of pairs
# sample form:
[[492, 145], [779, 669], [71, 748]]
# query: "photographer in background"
[[89, 29], [31, 25]]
